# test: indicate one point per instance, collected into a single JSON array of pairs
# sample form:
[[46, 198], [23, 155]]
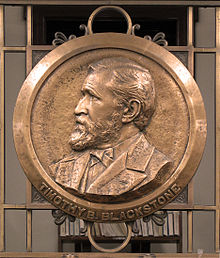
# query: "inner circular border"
[[34, 81]]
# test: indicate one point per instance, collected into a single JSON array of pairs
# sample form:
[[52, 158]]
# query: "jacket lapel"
[[111, 172], [139, 155], [69, 171], [127, 171], [80, 165]]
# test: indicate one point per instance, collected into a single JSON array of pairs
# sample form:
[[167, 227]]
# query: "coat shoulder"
[[65, 160]]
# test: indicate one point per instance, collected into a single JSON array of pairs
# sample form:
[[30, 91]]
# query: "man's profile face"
[[98, 119]]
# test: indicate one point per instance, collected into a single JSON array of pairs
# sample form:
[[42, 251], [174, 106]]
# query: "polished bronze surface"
[[61, 85]]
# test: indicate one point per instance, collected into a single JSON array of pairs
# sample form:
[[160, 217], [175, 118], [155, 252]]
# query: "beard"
[[88, 134]]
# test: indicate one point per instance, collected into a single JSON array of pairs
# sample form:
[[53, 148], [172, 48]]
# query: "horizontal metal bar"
[[14, 48], [100, 255], [14, 206], [183, 207], [178, 48], [111, 2], [28, 207], [41, 47], [169, 48], [190, 208], [41, 207], [205, 50]]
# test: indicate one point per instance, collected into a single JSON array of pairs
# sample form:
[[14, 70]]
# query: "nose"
[[81, 107]]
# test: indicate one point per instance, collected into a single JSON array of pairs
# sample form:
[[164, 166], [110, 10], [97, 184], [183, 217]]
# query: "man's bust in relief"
[[111, 155]]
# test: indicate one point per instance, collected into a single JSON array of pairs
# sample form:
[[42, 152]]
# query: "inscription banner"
[[95, 215]]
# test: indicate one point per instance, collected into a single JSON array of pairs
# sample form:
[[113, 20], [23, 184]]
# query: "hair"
[[128, 80]]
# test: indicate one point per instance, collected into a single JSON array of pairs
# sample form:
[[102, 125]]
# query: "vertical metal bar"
[[217, 219], [1, 25], [217, 126], [28, 184], [190, 26], [28, 60], [2, 229], [191, 62], [191, 69], [2, 120], [28, 69], [29, 231], [190, 32], [2, 148], [29, 25], [28, 191], [190, 231], [191, 193]]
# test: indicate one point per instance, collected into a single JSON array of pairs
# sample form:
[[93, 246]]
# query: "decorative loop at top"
[[102, 8]]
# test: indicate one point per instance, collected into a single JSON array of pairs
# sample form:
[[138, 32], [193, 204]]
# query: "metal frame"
[[112, 2], [217, 128], [29, 206]]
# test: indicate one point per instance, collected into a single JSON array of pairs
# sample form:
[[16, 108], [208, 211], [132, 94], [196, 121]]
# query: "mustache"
[[82, 128], [82, 120], [83, 134]]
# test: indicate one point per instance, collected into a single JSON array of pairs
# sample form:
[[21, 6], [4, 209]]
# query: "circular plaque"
[[109, 127]]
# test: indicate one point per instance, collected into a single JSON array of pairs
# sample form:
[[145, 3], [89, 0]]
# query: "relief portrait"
[[110, 154], [109, 126]]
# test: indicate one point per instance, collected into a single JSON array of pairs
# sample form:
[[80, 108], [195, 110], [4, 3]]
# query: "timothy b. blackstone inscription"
[[126, 214]]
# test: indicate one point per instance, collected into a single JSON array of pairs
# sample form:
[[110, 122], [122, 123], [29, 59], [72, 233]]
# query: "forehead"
[[96, 80]]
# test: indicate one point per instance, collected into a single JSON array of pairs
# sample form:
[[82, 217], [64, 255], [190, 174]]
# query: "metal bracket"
[[60, 37], [60, 217], [158, 217]]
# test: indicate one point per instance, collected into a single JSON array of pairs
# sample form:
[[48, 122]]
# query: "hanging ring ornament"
[[113, 250], [101, 9]]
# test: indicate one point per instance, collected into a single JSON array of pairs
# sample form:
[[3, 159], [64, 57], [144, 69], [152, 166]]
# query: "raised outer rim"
[[29, 90]]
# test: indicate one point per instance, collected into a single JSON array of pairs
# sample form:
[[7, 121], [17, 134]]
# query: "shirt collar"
[[99, 154], [114, 152]]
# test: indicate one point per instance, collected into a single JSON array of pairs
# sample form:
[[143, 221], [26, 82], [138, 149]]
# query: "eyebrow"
[[88, 87]]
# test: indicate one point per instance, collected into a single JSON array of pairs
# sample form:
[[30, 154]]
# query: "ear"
[[131, 111]]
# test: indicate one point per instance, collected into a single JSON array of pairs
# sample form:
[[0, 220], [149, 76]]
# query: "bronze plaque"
[[109, 127]]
